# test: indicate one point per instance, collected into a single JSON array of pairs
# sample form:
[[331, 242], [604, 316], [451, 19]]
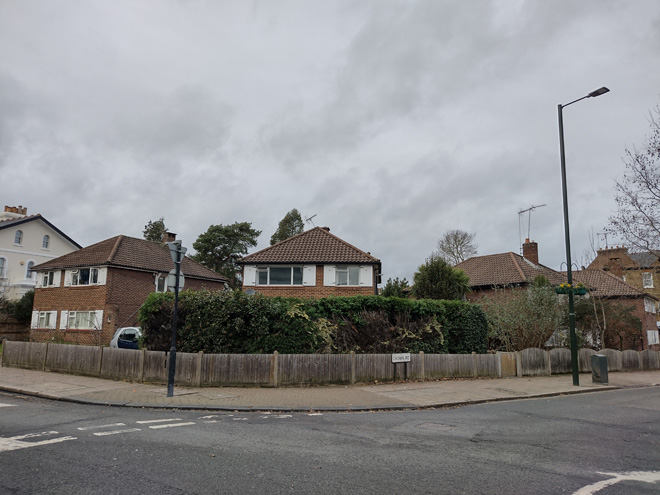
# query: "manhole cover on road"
[[435, 426]]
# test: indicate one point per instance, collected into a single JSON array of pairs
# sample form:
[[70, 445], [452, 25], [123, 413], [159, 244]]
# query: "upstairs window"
[[46, 242], [348, 275], [18, 237], [28, 271], [649, 305], [647, 280], [3, 267], [48, 279], [280, 275], [85, 276]]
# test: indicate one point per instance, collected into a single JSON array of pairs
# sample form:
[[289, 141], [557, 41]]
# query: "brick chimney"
[[12, 212], [531, 251], [169, 237]]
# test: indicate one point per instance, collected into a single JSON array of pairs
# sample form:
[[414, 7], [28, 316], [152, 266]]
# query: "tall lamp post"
[[569, 270]]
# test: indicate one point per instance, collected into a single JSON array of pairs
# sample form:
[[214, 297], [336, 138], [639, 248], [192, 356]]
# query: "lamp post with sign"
[[177, 251]]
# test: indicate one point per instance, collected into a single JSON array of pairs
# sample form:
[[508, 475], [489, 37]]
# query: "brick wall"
[[316, 292]]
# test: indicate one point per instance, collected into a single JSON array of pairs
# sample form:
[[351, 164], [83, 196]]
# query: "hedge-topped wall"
[[234, 322]]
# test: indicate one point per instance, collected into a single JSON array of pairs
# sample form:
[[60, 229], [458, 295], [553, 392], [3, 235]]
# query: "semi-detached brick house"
[[313, 264], [86, 295]]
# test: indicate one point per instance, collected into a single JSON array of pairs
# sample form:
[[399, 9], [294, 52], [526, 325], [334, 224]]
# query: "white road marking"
[[115, 432], [7, 405], [209, 417], [282, 416], [171, 425], [157, 421], [315, 414], [643, 476], [239, 419], [15, 443], [84, 428]]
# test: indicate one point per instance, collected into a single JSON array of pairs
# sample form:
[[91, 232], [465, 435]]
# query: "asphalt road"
[[555, 445]]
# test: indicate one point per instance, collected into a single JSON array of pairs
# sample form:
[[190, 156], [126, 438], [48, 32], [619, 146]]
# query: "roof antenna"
[[604, 235], [529, 222], [309, 219]]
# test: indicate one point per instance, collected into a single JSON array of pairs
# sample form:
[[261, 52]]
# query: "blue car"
[[127, 338]]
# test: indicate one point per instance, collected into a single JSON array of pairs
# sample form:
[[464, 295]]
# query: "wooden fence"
[[199, 369]]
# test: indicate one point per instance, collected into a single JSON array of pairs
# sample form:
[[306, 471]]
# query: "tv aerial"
[[529, 221], [309, 220]]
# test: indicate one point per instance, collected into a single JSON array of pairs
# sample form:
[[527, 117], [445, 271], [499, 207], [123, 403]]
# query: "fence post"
[[198, 378], [43, 364], [549, 364], [100, 359], [499, 364], [275, 370], [142, 359], [423, 358], [352, 367], [475, 374], [2, 359], [519, 372]]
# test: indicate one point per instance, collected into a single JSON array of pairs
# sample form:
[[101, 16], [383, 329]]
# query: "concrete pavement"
[[364, 397]]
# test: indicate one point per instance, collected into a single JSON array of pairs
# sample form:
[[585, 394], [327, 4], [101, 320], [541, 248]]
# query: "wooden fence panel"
[[449, 365], [534, 362], [28, 355], [236, 369], [185, 372], [76, 359], [508, 360], [372, 367], [613, 359], [120, 364], [486, 365], [584, 360], [314, 368], [650, 359], [155, 367], [560, 361], [630, 361]]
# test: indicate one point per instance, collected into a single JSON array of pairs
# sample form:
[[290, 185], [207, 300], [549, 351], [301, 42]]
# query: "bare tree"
[[456, 246], [637, 219]]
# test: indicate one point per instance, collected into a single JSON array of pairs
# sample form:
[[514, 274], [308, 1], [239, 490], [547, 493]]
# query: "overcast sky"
[[391, 121]]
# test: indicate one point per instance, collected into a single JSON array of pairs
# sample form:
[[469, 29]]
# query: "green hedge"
[[234, 322]]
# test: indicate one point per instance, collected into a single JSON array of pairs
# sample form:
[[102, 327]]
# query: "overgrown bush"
[[21, 309], [234, 322]]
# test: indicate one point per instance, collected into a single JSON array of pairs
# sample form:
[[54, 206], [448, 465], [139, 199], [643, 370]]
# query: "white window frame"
[[50, 279], [93, 278], [18, 238], [44, 319], [3, 267], [646, 283], [93, 318], [649, 305], [45, 243], [292, 282], [652, 337], [29, 272], [161, 277], [352, 273]]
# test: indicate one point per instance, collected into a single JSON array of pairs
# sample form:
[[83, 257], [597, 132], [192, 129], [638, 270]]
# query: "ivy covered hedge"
[[237, 323]]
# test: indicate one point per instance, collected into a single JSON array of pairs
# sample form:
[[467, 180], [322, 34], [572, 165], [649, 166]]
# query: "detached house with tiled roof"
[[86, 295], [26, 241], [313, 264]]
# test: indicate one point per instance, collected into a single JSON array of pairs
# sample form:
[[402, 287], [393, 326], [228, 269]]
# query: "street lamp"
[[569, 271]]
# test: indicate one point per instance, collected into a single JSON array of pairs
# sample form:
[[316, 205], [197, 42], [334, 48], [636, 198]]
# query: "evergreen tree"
[[289, 226]]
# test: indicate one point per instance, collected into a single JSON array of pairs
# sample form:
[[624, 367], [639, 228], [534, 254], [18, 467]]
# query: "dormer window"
[[18, 237]]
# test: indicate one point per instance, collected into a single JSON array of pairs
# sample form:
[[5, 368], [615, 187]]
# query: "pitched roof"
[[644, 260], [316, 245], [499, 270], [605, 284], [13, 222], [129, 252]]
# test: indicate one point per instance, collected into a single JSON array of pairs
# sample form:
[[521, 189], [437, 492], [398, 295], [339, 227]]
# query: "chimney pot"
[[531, 251]]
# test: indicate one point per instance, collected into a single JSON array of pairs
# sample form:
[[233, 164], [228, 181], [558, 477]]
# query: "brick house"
[[506, 270], [86, 295], [26, 241], [605, 285], [313, 264]]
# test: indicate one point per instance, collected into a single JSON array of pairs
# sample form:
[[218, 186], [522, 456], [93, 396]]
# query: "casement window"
[[280, 275], [18, 237], [347, 275], [85, 276], [50, 279], [652, 337], [647, 280], [3, 267], [649, 305], [161, 282], [82, 320], [46, 242], [44, 319]]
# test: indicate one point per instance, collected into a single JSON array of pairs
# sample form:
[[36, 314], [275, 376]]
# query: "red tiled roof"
[[4, 224], [605, 284], [316, 245], [499, 270], [129, 252]]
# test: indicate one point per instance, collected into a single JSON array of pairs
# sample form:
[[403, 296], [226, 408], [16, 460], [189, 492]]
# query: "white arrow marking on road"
[[643, 476], [15, 443], [171, 425]]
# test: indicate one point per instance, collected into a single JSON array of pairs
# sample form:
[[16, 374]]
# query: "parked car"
[[126, 338]]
